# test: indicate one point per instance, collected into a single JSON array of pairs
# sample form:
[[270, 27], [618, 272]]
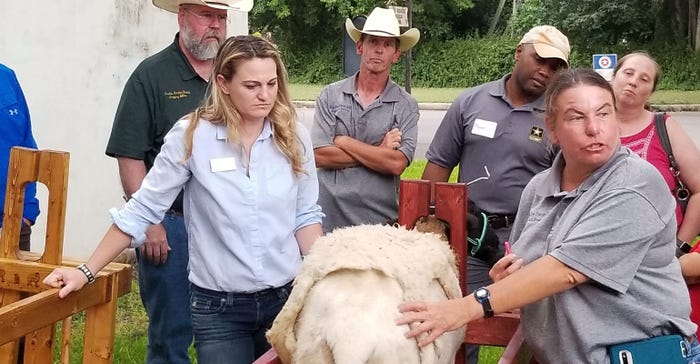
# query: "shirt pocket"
[[280, 182]]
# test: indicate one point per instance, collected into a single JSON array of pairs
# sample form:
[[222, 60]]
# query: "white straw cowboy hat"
[[382, 23], [174, 5]]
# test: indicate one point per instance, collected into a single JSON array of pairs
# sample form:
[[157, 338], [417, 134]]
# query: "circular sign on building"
[[604, 64]]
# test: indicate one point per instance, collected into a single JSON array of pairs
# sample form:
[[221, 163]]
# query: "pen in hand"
[[507, 246]]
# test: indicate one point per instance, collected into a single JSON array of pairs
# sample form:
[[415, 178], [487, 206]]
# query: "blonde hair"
[[217, 107]]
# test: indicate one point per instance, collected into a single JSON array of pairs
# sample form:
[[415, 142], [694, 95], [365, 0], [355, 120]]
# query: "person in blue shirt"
[[16, 130], [250, 203]]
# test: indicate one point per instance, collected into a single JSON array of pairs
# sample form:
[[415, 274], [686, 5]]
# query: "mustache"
[[213, 33]]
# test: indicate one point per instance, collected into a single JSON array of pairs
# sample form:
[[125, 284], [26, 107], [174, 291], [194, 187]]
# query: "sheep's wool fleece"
[[415, 260]]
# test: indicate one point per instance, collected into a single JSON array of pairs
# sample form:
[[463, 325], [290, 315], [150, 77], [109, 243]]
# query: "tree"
[[604, 22], [301, 23]]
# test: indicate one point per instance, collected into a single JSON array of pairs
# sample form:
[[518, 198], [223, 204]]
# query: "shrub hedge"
[[471, 61]]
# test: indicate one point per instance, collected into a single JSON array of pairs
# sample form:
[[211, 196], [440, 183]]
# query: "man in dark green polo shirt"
[[162, 89]]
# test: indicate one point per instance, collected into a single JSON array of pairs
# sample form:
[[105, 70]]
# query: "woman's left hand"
[[505, 267], [432, 318]]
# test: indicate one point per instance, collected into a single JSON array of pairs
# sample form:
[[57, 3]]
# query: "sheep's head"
[[431, 224]]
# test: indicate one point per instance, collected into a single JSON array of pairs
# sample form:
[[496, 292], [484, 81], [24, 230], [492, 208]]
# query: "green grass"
[[310, 92], [447, 95], [669, 97], [415, 171], [131, 337]]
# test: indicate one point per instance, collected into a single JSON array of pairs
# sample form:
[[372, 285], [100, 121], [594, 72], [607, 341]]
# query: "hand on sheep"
[[70, 279], [505, 267], [432, 318]]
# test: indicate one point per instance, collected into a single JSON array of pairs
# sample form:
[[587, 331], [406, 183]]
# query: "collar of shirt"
[[551, 185], [498, 89], [184, 67], [221, 132], [391, 93]]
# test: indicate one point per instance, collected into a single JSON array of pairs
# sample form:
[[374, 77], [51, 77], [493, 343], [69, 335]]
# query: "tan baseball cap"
[[549, 42]]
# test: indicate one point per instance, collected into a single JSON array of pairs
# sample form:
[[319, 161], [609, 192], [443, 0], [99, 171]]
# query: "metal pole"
[[408, 53]]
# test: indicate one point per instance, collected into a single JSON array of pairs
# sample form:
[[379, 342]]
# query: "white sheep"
[[345, 297]]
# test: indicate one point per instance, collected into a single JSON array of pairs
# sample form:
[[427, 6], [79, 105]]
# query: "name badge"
[[484, 128], [222, 164]]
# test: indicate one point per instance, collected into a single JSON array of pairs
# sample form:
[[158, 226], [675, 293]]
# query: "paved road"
[[430, 119]]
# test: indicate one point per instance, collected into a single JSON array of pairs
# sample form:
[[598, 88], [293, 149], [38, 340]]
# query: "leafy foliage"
[[471, 61]]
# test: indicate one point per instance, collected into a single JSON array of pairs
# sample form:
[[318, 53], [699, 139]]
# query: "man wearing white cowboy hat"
[[162, 89], [498, 129], [365, 129]]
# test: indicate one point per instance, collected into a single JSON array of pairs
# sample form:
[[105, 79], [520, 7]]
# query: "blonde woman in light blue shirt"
[[250, 205]]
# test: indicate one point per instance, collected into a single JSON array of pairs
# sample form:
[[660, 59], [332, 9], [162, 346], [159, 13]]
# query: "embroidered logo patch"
[[536, 134], [176, 95]]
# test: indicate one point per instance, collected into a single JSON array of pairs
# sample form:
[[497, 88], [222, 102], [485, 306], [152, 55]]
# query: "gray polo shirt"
[[359, 195], [617, 228], [483, 129]]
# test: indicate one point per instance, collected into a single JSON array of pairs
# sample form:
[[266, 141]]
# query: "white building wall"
[[72, 59]]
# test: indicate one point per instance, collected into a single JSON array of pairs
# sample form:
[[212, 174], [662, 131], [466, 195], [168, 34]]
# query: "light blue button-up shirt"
[[240, 226]]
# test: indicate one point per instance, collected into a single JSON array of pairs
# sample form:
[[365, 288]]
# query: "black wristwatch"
[[683, 246], [483, 296]]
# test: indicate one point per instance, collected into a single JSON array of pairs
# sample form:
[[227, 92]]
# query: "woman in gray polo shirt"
[[593, 260]]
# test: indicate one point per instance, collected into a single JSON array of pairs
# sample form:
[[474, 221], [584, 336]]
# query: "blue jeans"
[[230, 327], [165, 296], [694, 352]]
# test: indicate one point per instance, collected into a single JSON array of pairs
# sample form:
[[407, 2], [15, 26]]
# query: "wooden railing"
[[28, 308]]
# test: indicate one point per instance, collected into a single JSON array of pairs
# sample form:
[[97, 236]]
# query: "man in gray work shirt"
[[496, 133], [365, 129]]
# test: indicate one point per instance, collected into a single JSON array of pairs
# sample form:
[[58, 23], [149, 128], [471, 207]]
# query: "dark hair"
[[570, 78], [363, 36], [624, 59]]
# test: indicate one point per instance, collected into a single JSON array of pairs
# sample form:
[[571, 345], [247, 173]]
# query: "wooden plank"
[[50, 168], [22, 317], [66, 330], [414, 201], [38, 346], [100, 322], [270, 357], [53, 172], [495, 331], [516, 352], [451, 207], [25, 276]]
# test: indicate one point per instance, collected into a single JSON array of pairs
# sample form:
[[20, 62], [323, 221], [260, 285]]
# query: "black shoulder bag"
[[680, 192]]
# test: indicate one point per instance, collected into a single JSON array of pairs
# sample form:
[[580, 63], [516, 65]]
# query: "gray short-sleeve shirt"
[[359, 195], [483, 129], [617, 228]]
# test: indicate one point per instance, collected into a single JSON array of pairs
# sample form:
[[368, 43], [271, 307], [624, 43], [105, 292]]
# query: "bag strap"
[[665, 142], [681, 192]]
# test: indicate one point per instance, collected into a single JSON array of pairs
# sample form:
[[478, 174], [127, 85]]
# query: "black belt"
[[498, 221], [175, 212]]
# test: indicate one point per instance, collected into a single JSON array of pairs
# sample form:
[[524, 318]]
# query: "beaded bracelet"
[[90, 277]]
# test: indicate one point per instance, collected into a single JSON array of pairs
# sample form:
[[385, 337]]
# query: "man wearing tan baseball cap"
[[496, 131], [548, 42], [162, 89]]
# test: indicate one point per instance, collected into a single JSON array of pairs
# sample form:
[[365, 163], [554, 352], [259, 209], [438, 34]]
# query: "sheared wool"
[[344, 301]]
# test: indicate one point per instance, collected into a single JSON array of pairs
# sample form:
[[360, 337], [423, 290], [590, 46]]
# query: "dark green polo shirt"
[[162, 89]]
